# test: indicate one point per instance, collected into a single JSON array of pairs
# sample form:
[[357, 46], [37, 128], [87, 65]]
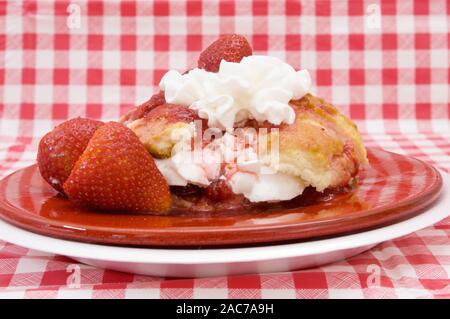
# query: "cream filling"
[[239, 165]]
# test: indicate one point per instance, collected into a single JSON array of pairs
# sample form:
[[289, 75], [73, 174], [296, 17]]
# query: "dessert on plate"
[[237, 132]]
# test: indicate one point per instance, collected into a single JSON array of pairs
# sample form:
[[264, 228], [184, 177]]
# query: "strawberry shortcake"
[[239, 131]]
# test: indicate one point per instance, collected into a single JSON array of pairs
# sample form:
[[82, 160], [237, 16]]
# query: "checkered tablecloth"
[[384, 63]]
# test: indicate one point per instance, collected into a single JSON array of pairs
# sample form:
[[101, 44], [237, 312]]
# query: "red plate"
[[393, 187]]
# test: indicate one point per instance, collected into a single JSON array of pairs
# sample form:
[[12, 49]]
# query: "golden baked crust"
[[156, 130], [322, 146]]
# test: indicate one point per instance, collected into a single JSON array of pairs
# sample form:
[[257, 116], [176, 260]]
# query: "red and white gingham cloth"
[[384, 63]]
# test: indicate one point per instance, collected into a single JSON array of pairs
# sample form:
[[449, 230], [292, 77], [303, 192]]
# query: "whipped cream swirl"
[[259, 87]]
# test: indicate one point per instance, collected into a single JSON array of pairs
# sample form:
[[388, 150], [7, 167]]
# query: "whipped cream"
[[262, 187], [238, 163], [258, 87]]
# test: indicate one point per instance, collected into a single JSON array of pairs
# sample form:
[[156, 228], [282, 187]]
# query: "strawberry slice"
[[60, 149], [219, 190], [144, 108], [115, 172], [230, 47]]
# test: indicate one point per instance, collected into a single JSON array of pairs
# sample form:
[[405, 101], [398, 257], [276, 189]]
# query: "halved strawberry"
[[230, 47], [60, 149], [115, 172]]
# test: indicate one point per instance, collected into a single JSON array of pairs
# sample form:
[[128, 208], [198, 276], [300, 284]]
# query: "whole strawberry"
[[60, 149], [230, 47], [115, 172]]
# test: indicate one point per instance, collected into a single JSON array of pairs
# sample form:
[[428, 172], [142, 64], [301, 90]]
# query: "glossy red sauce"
[[192, 209], [392, 188], [193, 200]]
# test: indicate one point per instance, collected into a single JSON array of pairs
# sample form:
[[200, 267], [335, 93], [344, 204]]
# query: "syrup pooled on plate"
[[393, 187]]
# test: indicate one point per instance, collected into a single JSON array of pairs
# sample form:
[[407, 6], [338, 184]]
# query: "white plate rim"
[[30, 240]]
